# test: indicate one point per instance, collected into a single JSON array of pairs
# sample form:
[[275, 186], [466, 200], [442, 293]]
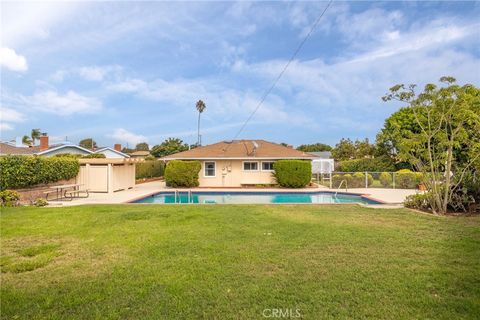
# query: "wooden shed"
[[107, 175]]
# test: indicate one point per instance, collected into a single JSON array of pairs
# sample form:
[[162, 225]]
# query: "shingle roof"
[[140, 153], [242, 149], [6, 148]]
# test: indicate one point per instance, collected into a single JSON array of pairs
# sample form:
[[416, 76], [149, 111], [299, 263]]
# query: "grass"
[[235, 261]]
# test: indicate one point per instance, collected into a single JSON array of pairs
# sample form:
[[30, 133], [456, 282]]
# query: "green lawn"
[[234, 261]]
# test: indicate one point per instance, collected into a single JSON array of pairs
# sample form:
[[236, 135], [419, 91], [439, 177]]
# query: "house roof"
[[140, 153], [112, 150], [6, 148], [54, 148], [242, 149]]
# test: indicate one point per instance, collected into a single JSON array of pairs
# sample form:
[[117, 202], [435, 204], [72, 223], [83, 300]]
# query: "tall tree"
[[364, 149], [200, 105], [447, 145], [169, 146], [316, 147], [88, 143], [35, 135], [142, 146]]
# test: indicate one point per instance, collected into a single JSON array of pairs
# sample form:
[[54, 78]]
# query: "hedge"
[[180, 173], [149, 169], [26, 171], [293, 173], [406, 179], [378, 164]]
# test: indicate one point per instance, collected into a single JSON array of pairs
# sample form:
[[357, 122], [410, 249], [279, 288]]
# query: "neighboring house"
[[112, 153], [140, 154], [239, 162], [46, 150]]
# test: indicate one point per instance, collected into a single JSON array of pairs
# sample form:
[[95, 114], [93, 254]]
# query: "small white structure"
[[107, 175], [322, 166]]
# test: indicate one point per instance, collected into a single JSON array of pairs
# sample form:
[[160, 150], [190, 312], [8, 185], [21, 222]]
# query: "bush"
[[149, 169], [25, 171], [40, 202], [94, 156], [149, 158], [385, 179], [382, 163], [293, 173], [182, 173], [406, 179], [9, 198], [418, 201]]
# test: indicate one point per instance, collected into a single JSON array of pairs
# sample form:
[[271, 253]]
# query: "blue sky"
[[128, 72]]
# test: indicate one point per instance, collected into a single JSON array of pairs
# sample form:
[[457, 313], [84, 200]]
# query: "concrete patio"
[[391, 197]]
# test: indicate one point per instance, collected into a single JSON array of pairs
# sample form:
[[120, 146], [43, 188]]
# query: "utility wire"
[[265, 95]]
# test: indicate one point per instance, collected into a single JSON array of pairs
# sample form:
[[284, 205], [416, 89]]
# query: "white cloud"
[[5, 126], [123, 135], [66, 104], [10, 115], [89, 73], [11, 60]]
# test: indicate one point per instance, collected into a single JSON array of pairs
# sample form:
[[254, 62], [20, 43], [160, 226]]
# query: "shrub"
[[418, 201], [406, 179], [149, 169], [25, 171], [382, 163], [69, 155], [385, 179], [180, 173], [149, 158], [9, 198], [40, 202], [94, 156], [293, 173]]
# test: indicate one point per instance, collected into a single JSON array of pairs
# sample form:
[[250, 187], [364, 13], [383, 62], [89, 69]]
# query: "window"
[[267, 166], [250, 166], [209, 169]]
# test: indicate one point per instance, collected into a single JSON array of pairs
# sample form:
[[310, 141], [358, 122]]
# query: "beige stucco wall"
[[106, 177], [230, 173]]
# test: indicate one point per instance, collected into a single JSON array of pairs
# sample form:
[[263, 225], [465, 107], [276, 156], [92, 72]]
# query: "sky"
[[127, 72]]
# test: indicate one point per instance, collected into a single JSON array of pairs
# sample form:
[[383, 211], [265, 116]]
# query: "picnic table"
[[61, 191]]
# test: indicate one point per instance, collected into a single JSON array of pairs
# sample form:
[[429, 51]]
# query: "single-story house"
[[239, 162], [44, 149]]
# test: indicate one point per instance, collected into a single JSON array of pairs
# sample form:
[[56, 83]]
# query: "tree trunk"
[[198, 129]]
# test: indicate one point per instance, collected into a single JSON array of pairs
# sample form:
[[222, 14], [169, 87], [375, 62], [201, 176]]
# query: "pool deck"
[[390, 197]]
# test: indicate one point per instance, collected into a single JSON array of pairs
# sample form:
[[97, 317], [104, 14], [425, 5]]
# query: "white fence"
[[368, 179]]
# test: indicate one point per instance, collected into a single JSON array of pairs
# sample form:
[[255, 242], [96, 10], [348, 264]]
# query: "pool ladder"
[[178, 198], [340, 185]]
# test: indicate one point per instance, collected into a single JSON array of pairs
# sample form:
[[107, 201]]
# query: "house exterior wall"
[[110, 154], [230, 173]]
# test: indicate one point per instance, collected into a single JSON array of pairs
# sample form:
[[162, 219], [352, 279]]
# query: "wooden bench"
[[70, 194], [47, 193]]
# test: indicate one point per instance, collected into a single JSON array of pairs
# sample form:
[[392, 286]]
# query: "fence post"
[[366, 179], [393, 174]]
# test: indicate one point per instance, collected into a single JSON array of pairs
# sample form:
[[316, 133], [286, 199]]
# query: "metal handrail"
[[176, 195], [346, 186]]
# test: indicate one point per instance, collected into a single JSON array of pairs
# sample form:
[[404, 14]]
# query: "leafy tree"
[[400, 125], [200, 105], [27, 140], [316, 147], [284, 144], [169, 146], [88, 143], [142, 146], [447, 145], [344, 150], [363, 149]]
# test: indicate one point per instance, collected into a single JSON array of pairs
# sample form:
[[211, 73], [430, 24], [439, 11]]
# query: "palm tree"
[[27, 141], [200, 108], [35, 135]]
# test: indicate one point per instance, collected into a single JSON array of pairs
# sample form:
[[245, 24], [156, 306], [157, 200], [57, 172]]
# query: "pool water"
[[255, 197]]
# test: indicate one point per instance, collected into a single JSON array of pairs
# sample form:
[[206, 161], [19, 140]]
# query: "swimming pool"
[[255, 197]]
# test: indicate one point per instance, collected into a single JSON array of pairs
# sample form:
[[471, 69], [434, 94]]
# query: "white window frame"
[[243, 166], [267, 162], [205, 169]]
